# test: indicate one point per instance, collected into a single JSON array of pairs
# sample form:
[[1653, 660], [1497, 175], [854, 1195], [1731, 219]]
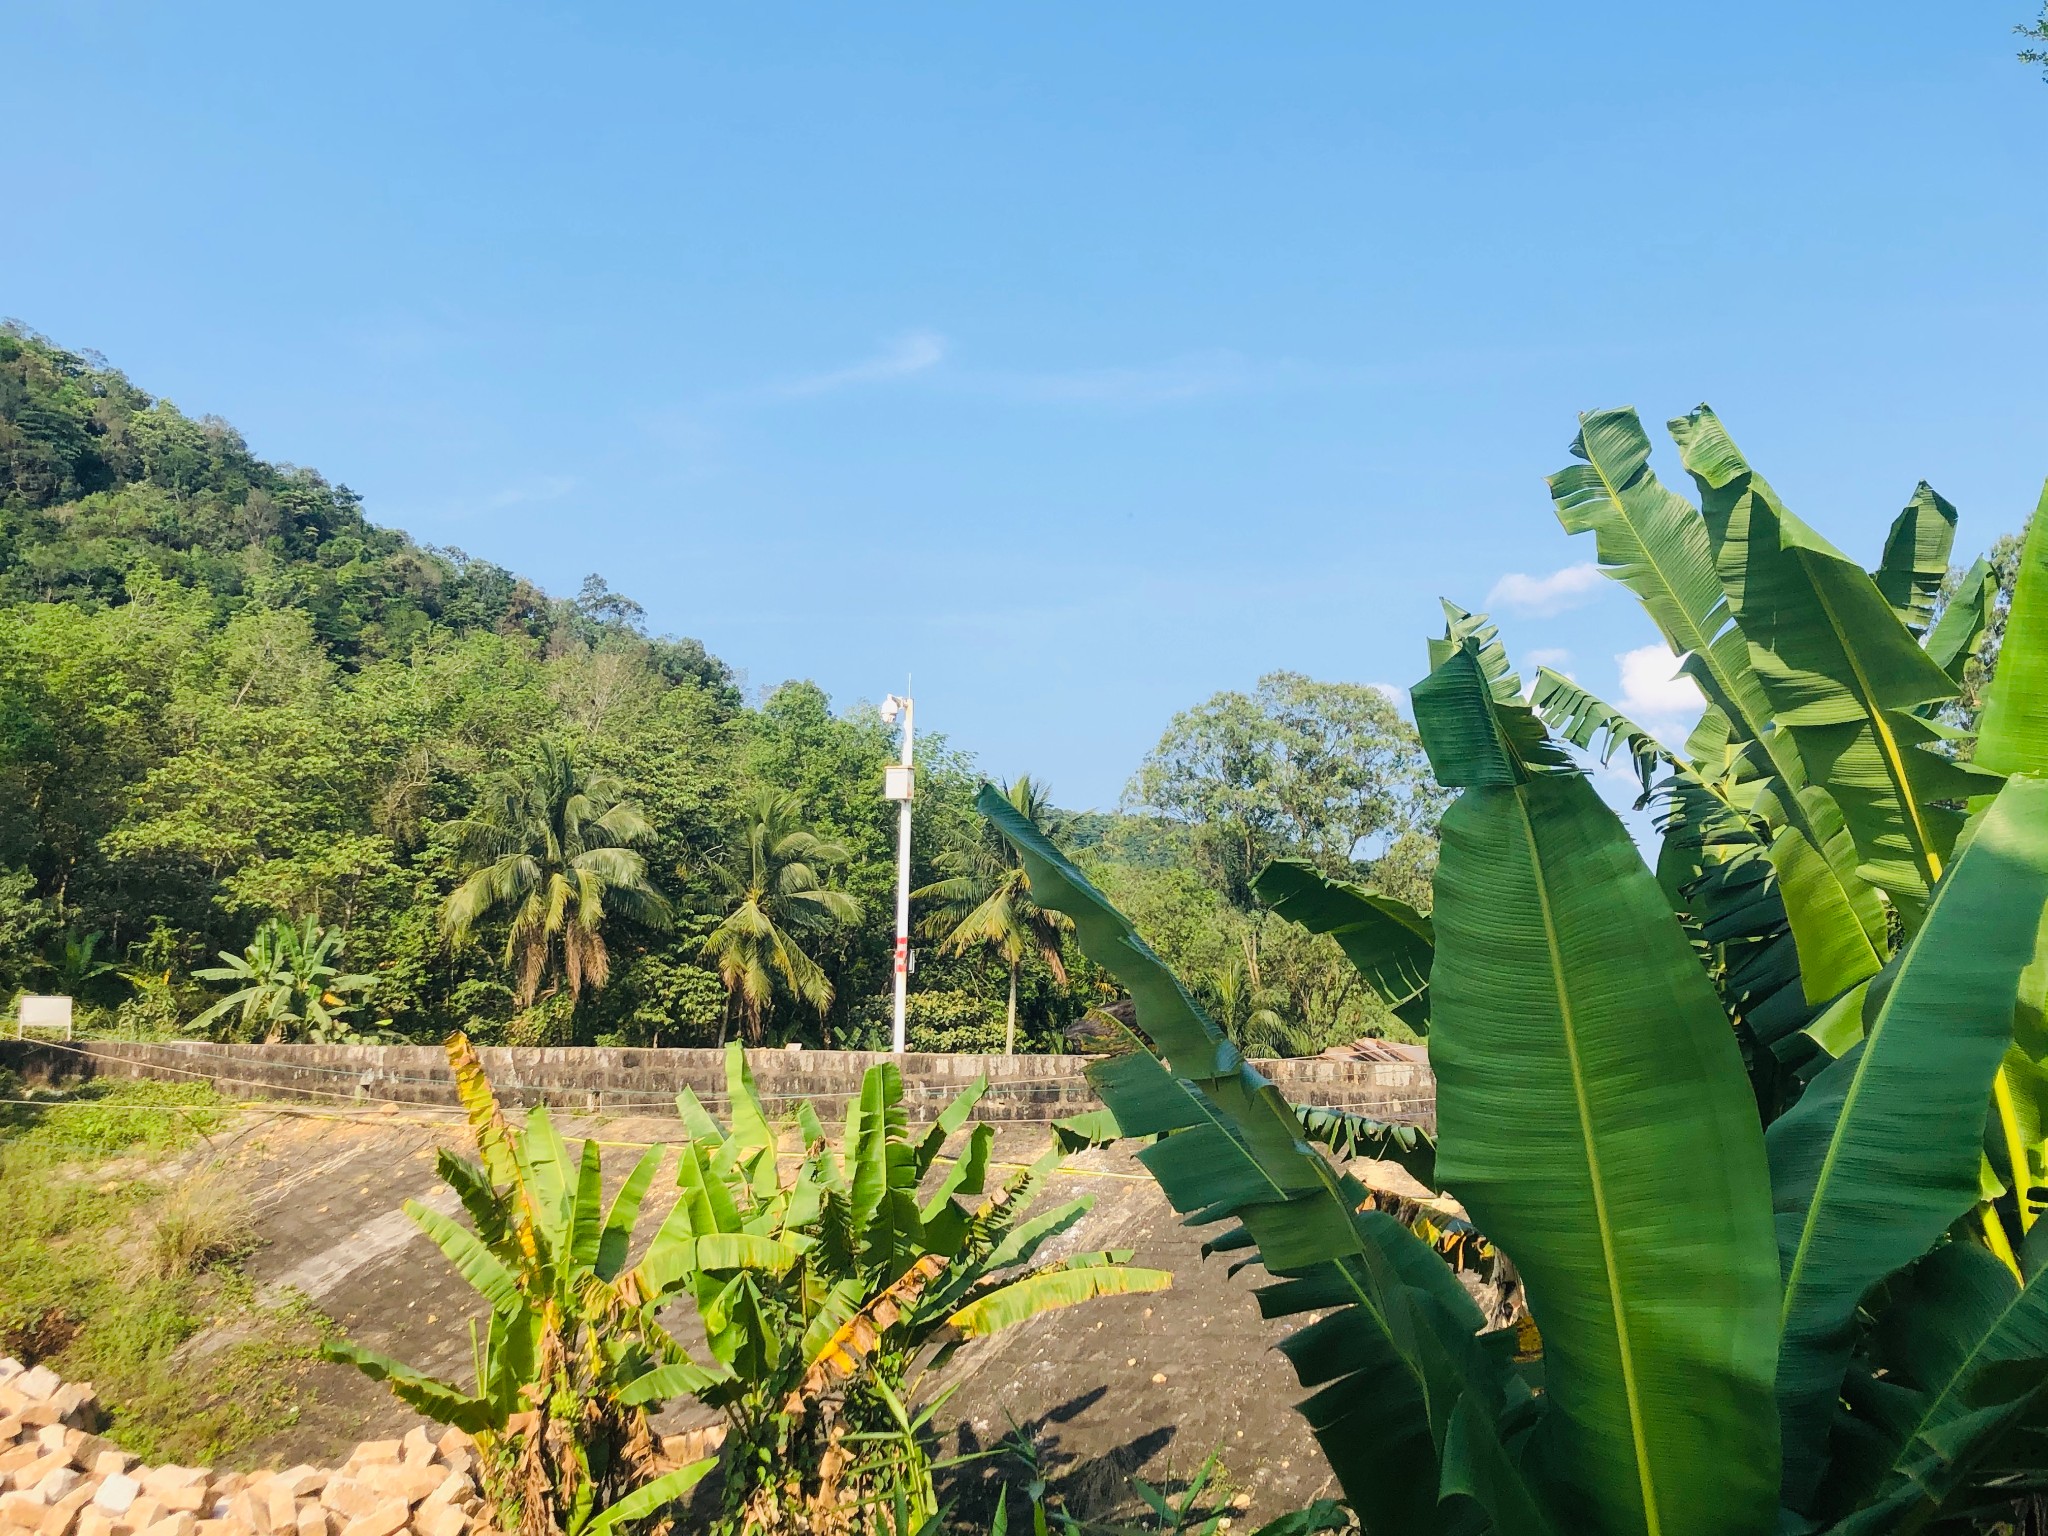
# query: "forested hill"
[[100, 481], [236, 714], [226, 695]]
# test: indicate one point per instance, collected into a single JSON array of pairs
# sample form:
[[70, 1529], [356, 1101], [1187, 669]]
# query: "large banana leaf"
[[649, 1498], [2012, 736], [472, 1260], [1961, 1353], [617, 1235], [1841, 671], [1231, 1148], [1753, 900], [439, 1401], [1860, 1188], [1081, 1278], [1387, 939], [1595, 1120], [1916, 557], [1953, 640], [1655, 542]]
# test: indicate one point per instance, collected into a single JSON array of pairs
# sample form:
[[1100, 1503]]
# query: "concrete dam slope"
[[1146, 1384]]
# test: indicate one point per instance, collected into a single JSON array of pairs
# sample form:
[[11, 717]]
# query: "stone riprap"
[[618, 1080], [59, 1478]]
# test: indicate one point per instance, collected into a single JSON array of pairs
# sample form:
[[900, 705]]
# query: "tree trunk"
[[1010, 1029]]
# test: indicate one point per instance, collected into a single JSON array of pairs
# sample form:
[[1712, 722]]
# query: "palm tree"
[[551, 844], [289, 985], [985, 900], [776, 896]]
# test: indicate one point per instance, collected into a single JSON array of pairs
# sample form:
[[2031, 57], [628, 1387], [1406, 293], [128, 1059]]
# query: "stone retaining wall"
[[620, 1080]]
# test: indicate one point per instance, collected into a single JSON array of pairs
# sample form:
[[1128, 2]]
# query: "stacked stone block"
[[59, 1478]]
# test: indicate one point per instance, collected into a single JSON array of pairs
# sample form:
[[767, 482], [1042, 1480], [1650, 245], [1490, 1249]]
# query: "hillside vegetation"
[[227, 698]]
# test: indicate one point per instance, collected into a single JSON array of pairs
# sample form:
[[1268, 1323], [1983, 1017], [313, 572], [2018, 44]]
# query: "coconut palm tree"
[[775, 897], [291, 989], [985, 900], [550, 845]]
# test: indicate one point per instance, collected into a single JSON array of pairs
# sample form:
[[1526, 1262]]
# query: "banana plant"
[[564, 1362], [903, 1253], [1768, 1290]]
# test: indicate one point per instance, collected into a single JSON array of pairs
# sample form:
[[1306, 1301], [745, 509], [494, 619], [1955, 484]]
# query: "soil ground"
[[1148, 1384]]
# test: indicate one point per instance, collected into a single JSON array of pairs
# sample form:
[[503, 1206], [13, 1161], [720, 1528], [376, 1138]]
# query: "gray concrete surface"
[[1146, 1384]]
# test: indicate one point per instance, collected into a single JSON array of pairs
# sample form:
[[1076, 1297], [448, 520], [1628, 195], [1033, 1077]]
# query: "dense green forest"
[[405, 790]]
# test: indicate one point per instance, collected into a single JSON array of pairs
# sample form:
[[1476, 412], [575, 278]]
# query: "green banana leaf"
[[586, 1210], [1230, 1147], [1842, 673], [1350, 1135], [472, 1185], [1860, 1188], [1384, 937], [1953, 640], [544, 1161], [617, 1235], [472, 1260], [1653, 541], [2012, 736], [950, 1119], [678, 1378], [1595, 1120], [649, 1497], [2016, 1134], [437, 1400], [1915, 559], [1753, 901], [1049, 1289], [1591, 724], [753, 1138], [1962, 1355]]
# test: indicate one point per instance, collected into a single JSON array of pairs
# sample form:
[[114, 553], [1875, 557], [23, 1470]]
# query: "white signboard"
[[44, 1013]]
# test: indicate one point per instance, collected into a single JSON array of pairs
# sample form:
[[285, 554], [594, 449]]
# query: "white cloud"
[[1554, 657], [1656, 695], [913, 353], [1541, 597]]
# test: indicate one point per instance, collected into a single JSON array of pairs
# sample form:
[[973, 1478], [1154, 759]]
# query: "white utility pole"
[[899, 784]]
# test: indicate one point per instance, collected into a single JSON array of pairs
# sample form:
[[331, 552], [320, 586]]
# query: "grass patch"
[[109, 1269]]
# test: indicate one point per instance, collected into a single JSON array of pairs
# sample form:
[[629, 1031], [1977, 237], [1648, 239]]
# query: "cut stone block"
[[117, 1493], [42, 1467], [372, 1451], [416, 1446], [55, 1484], [183, 1523], [387, 1519], [171, 1475], [408, 1481], [312, 1520], [38, 1384], [349, 1498]]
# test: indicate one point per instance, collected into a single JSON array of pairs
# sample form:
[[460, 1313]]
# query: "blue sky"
[[1080, 360]]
